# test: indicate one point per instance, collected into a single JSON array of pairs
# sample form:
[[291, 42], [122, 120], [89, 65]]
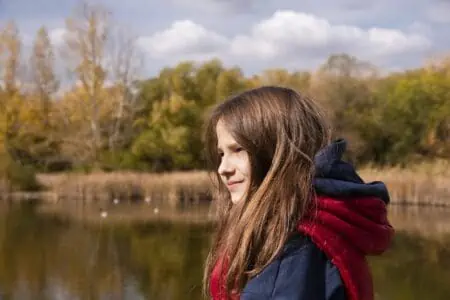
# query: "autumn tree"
[[298, 80], [125, 66], [11, 100], [13, 113], [230, 81], [105, 62], [343, 86], [40, 138], [44, 81], [85, 50], [206, 77]]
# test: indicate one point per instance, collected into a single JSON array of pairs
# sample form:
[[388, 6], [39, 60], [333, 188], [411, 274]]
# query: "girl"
[[295, 221]]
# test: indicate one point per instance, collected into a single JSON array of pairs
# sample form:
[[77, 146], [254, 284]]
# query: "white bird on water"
[[103, 213]]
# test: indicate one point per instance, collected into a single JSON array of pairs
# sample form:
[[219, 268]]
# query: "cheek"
[[245, 167]]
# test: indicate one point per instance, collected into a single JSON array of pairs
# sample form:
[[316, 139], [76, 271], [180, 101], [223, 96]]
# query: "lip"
[[232, 183]]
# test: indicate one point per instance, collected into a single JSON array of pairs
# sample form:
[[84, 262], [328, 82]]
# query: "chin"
[[237, 198]]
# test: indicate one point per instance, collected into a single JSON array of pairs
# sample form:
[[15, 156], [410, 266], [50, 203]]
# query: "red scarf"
[[218, 288], [347, 230]]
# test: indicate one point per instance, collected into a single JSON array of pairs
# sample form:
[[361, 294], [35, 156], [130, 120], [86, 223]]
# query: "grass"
[[179, 196], [166, 189], [425, 184], [419, 184], [429, 222]]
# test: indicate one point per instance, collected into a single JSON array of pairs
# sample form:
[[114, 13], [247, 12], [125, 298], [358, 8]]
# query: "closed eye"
[[235, 149]]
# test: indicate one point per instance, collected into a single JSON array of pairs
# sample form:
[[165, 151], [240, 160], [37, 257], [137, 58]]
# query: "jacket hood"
[[349, 220], [337, 178]]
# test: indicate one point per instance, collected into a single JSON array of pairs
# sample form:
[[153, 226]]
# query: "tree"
[[10, 50], [229, 82], [344, 87], [13, 112], [10, 98], [39, 138], [417, 113], [169, 140], [206, 77], [45, 83], [87, 32], [105, 62]]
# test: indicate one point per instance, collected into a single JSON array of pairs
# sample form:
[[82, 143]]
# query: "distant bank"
[[427, 184]]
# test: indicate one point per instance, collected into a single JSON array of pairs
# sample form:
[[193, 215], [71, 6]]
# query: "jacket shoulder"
[[302, 271]]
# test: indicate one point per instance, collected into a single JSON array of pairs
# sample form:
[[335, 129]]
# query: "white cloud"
[[56, 36], [292, 34], [183, 38], [287, 39]]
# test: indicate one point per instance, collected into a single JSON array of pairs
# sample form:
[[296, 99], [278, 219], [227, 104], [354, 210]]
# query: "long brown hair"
[[282, 130]]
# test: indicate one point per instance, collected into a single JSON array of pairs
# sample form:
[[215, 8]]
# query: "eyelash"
[[237, 150]]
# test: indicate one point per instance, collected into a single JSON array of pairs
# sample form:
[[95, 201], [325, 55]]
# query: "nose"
[[226, 167]]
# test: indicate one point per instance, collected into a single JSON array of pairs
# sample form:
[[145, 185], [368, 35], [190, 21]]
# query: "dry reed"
[[425, 221], [165, 189], [418, 185]]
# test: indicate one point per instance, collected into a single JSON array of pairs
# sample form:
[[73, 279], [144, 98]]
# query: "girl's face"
[[234, 168]]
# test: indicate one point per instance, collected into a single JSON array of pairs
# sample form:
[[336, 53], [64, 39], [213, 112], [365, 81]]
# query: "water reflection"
[[44, 256], [416, 268]]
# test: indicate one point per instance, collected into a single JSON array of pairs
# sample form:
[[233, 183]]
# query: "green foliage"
[[388, 120], [169, 135], [19, 177], [156, 123], [112, 161], [408, 119], [174, 105]]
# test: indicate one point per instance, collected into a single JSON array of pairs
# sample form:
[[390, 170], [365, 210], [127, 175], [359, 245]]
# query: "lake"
[[48, 255]]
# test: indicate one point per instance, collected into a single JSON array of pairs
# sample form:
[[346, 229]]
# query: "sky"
[[261, 34]]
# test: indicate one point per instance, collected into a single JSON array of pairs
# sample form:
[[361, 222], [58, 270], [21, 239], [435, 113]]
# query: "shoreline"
[[423, 220], [427, 185]]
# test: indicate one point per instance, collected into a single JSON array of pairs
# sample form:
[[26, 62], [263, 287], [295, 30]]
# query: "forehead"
[[224, 137]]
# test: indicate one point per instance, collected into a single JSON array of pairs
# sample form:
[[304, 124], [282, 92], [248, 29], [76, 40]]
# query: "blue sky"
[[261, 34]]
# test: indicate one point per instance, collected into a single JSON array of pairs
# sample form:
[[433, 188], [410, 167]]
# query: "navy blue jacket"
[[303, 271]]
